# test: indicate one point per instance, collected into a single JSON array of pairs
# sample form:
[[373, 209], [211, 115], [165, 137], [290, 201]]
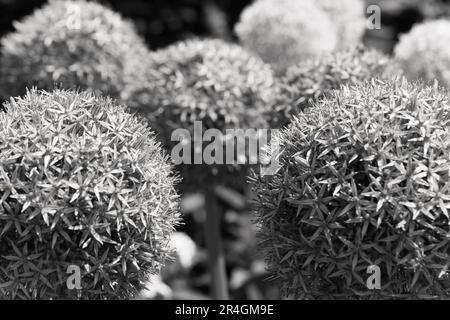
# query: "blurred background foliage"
[[159, 22], [163, 22]]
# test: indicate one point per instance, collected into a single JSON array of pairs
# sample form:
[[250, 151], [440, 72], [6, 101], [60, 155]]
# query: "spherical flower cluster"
[[285, 32], [84, 185], [70, 44], [348, 17], [310, 80], [211, 82], [425, 52], [363, 181], [432, 9]]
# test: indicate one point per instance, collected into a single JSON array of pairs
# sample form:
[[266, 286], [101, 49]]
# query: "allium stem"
[[216, 256]]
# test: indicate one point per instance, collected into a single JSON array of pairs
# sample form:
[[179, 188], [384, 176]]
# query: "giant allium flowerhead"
[[285, 32], [424, 52], [213, 82], [70, 44], [83, 184], [349, 19], [364, 182]]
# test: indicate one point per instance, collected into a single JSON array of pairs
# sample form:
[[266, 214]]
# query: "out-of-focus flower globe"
[[308, 81], [348, 17], [207, 81], [424, 52], [70, 44], [285, 32]]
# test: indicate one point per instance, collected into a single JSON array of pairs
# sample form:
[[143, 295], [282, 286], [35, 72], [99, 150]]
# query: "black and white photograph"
[[226, 156]]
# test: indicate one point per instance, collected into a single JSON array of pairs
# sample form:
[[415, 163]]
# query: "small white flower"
[[185, 249]]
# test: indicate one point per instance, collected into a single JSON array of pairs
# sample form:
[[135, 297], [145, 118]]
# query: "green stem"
[[216, 256]]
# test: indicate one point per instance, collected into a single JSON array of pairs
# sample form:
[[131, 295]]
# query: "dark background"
[[161, 22]]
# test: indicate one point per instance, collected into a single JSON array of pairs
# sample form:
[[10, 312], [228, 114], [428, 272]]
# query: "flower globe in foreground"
[[71, 44], [364, 181], [313, 79], [424, 52], [84, 185], [285, 32]]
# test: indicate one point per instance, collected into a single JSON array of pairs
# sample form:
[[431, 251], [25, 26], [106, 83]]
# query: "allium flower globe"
[[84, 184], [364, 180], [310, 80], [424, 52], [70, 44], [210, 81], [285, 32]]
